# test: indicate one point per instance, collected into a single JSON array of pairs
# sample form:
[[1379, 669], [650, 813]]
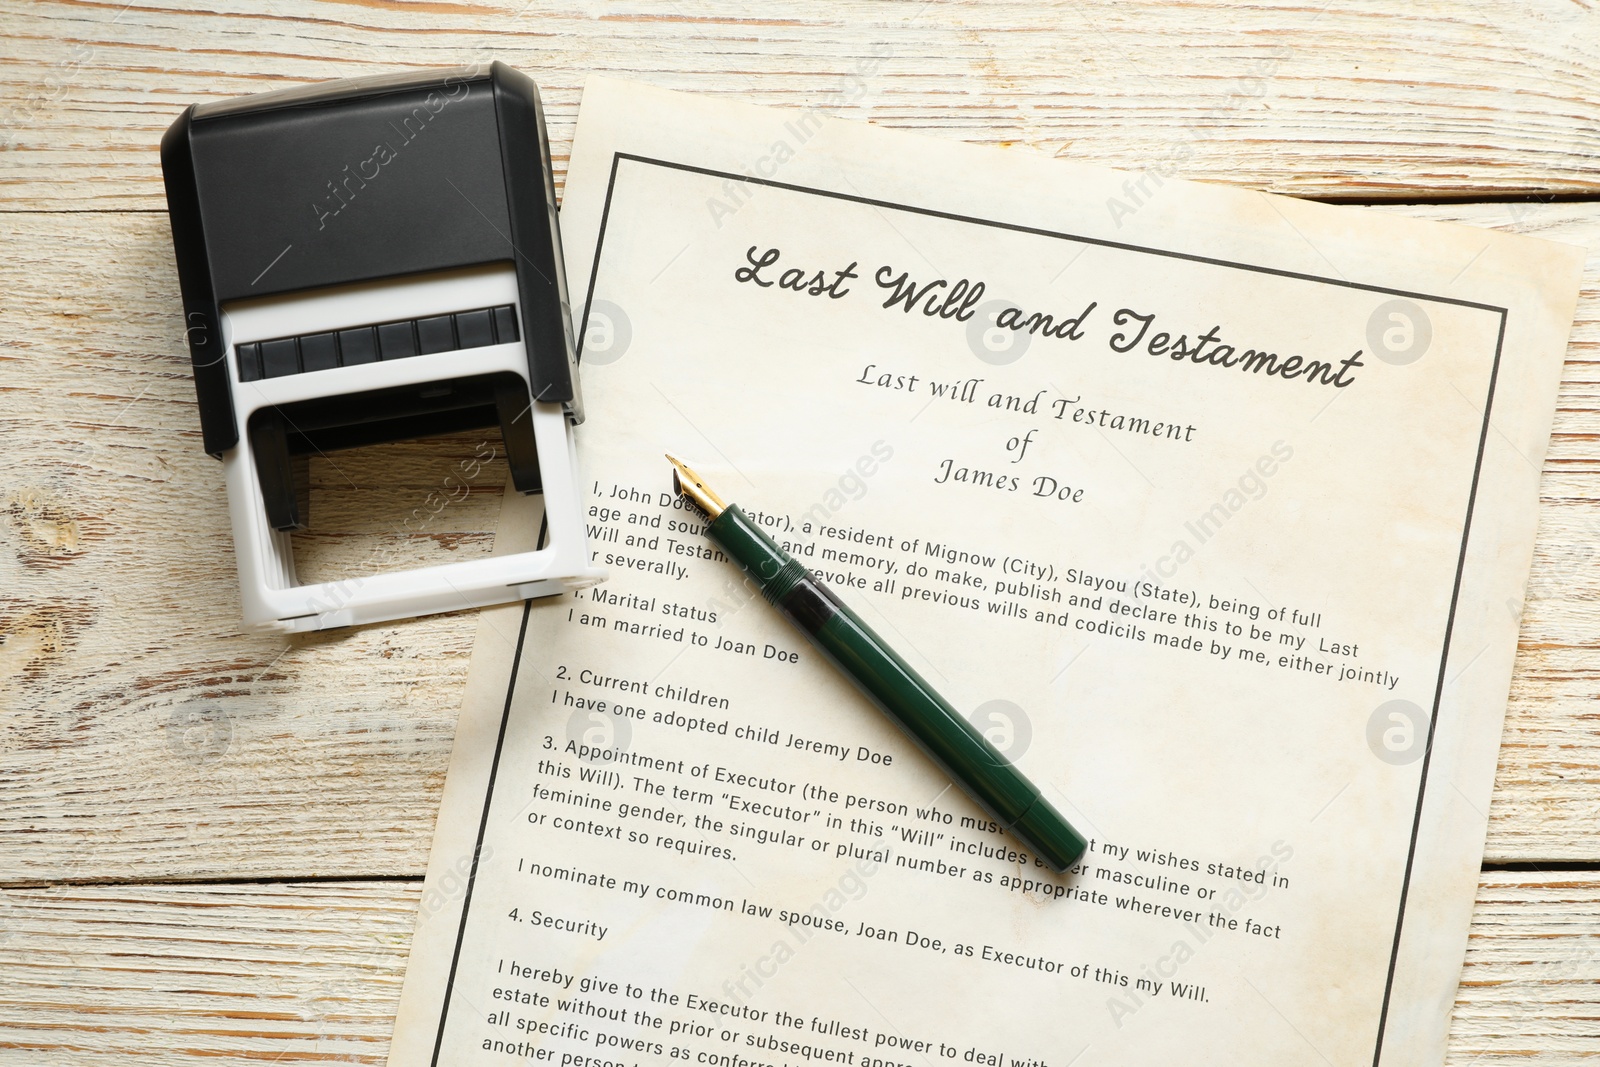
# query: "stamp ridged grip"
[[902, 694]]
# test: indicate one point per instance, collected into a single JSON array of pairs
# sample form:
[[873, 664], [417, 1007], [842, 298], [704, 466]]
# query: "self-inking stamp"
[[373, 261]]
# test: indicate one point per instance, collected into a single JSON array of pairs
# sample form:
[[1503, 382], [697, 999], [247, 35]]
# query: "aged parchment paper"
[[1213, 508]]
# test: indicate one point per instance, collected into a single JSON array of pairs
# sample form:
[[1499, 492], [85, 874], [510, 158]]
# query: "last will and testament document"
[[1213, 509]]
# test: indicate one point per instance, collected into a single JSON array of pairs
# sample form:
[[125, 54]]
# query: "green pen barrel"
[[953, 743]]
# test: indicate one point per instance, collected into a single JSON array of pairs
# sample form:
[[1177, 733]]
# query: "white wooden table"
[[211, 844]]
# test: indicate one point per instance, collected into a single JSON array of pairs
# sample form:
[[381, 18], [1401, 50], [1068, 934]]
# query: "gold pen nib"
[[690, 485]]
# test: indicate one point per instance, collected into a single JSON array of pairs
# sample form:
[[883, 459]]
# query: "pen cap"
[[1050, 836]]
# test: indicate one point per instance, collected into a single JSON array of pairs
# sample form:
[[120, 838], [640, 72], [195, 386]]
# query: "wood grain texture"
[[145, 736], [1366, 99], [1530, 989], [310, 972], [203, 974]]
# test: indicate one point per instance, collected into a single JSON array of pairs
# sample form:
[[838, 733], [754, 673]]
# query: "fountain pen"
[[902, 694]]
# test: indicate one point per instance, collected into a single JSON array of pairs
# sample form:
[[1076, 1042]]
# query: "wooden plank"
[[1354, 100], [203, 974], [1530, 989], [147, 739], [145, 733], [311, 972]]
